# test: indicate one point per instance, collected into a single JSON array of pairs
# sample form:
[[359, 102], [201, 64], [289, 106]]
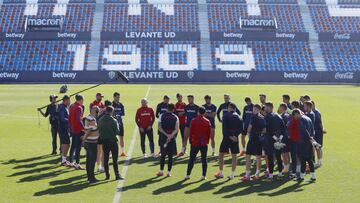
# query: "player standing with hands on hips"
[[232, 126]]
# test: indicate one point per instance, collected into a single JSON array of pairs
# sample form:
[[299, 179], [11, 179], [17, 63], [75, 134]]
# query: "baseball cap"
[[99, 94]]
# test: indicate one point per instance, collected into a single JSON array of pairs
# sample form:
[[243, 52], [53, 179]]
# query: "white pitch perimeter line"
[[120, 185]]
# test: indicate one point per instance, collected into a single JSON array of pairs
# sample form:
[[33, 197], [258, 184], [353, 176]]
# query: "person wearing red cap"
[[200, 133], [144, 119]]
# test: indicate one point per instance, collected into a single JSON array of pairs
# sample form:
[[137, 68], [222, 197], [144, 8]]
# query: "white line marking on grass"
[[120, 185]]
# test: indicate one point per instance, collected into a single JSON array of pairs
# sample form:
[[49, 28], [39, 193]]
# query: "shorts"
[[170, 149], [254, 146], [319, 138], [227, 144], [64, 136], [121, 130]]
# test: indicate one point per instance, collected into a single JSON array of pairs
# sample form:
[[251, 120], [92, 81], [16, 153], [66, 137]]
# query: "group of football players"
[[291, 134]]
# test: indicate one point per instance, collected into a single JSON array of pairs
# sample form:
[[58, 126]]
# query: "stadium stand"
[[151, 55], [329, 18], [226, 17], [77, 17], [43, 55], [262, 56], [342, 56], [147, 17]]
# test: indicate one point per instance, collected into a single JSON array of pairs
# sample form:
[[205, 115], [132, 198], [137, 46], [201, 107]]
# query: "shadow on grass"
[[62, 186], [176, 186], [207, 186], [141, 184], [260, 187]]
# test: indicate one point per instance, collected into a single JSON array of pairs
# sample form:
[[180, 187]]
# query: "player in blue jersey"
[[210, 113], [282, 111], [224, 108], [191, 112], [308, 110], [256, 130], [247, 114], [286, 100], [168, 128], [319, 133], [232, 127], [119, 112], [162, 107], [274, 143]]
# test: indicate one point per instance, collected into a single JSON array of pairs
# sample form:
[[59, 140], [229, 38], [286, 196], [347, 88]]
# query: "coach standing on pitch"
[[52, 112], [144, 119], [109, 129], [76, 113], [200, 133]]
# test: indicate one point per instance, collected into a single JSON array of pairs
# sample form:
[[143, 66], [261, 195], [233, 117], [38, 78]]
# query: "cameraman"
[[52, 112]]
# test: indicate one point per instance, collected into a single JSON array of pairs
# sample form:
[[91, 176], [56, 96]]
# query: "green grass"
[[29, 174]]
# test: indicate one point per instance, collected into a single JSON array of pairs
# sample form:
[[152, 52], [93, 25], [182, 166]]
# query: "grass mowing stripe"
[[119, 188]]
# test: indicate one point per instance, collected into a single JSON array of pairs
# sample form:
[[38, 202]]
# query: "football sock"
[[302, 175], [270, 175], [298, 167], [247, 173], [257, 173], [63, 159], [313, 176]]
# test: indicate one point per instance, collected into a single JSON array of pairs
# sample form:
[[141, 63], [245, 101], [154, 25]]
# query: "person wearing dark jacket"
[[275, 132], [232, 126], [52, 112], [305, 144], [64, 132], [200, 133], [108, 130], [224, 108], [168, 126], [246, 116]]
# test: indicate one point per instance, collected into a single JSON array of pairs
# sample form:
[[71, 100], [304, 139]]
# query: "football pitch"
[[29, 174]]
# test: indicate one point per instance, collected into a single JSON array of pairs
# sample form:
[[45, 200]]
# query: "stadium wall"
[[189, 77]]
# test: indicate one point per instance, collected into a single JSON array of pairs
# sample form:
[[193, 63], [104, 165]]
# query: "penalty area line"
[[120, 185]]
